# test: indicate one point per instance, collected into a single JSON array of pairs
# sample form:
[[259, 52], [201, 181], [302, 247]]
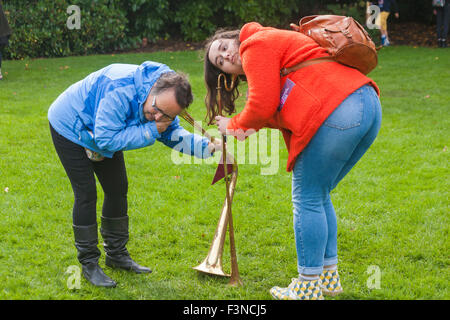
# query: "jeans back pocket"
[[348, 114]]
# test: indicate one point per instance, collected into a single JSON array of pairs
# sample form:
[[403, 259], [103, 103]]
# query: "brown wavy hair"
[[211, 73]]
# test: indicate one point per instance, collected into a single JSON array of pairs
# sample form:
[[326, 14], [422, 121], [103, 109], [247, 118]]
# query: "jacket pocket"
[[348, 114]]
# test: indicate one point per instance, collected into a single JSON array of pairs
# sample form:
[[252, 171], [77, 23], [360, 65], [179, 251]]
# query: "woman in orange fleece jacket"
[[329, 115]]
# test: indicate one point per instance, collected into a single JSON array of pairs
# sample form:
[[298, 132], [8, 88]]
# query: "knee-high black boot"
[[86, 240], [115, 236]]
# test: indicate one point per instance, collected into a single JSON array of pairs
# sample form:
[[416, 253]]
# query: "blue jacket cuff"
[[153, 130]]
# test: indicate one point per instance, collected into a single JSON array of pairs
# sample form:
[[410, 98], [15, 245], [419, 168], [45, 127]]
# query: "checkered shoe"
[[298, 290], [330, 282]]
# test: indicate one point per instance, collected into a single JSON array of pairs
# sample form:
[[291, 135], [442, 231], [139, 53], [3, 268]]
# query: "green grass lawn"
[[393, 207]]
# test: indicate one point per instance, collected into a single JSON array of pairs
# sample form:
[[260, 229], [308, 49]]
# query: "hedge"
[[40, 26]]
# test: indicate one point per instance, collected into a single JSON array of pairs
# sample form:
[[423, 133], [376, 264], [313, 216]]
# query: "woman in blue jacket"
[[120, 107]]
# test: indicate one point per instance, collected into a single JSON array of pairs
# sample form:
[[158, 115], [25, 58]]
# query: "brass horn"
[[212, 264]]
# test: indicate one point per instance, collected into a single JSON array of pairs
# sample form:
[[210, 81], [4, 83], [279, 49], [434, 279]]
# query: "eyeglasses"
[[160, 111]]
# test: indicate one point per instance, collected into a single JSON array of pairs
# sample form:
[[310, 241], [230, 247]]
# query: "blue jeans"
[[333, 151]]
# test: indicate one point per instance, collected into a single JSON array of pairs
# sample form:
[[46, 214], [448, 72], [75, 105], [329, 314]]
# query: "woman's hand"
[[222, 123]]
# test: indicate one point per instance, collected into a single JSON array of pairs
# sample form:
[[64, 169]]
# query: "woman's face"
[[224, 54]]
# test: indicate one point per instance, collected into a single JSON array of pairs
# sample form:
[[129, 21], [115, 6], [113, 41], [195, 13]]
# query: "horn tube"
[[212, 264]]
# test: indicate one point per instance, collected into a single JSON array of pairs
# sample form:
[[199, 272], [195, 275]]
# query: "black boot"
[[86, 240], [115, 236]]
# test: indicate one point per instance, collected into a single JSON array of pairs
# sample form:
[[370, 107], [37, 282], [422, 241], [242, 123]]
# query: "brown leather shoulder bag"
[[344, 38]]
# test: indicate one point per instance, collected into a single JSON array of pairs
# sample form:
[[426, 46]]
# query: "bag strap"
[[285, 71]]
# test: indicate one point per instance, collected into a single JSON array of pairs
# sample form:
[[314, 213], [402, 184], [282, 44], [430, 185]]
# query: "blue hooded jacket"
[[109, 104]]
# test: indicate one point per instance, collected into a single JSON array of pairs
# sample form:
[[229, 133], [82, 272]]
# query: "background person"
[[386, 7], [120, 107], [5, 32], [329, 115], [442, 12]]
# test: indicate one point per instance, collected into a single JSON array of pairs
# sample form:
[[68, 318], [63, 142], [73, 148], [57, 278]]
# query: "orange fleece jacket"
[[315, 91]]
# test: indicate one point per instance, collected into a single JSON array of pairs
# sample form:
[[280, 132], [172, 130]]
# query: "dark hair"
[[178, 82], [211, 73]]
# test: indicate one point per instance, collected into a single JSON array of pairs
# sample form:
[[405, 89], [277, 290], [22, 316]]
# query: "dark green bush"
[[197, 19], [40, 28], [147, 18], [266, 12]]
